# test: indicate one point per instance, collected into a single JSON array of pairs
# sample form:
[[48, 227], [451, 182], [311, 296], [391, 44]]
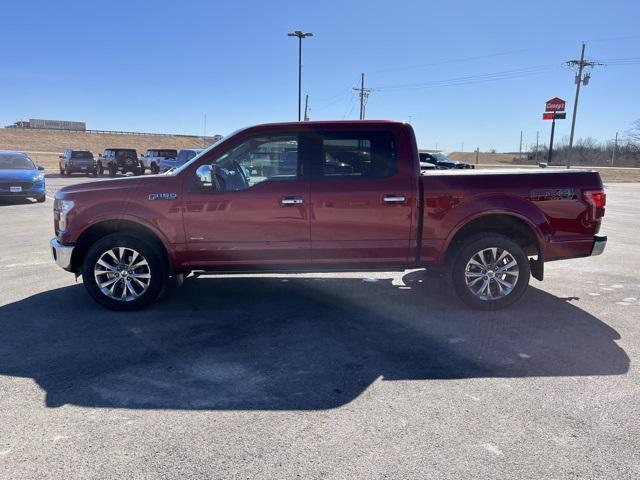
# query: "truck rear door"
[[363, 193]]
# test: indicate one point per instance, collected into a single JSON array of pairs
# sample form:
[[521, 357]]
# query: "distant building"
[[36, 123]]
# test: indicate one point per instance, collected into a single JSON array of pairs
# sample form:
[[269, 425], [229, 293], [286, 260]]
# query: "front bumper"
[[37, 190], [599, 242], [61, 254]]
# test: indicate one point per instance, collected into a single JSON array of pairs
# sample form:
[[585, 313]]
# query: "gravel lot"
[[321, 376]]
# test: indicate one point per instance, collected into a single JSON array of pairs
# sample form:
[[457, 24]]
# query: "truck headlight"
[[64, 207]]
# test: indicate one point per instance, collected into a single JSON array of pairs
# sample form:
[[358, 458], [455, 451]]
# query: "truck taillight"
[[597, 199]]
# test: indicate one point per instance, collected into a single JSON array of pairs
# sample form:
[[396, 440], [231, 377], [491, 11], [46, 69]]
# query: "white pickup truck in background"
[[152, 158]]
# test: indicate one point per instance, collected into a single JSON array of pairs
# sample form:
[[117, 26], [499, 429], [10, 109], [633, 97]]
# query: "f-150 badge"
[[162, 196]]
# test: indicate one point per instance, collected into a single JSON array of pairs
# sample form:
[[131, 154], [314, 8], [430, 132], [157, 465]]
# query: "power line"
[[627, 37], [350, 106], [443, 62], [472, 79]]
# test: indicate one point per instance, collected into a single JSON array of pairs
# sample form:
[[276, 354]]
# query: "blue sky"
[[160, 66]]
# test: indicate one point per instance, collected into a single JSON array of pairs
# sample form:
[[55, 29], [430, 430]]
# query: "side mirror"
[[205, 175], [41, 168]]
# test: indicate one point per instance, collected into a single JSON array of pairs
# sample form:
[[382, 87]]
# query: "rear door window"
[[356, 155]]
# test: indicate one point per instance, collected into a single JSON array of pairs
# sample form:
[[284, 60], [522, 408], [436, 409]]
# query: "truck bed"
[[549, 201]]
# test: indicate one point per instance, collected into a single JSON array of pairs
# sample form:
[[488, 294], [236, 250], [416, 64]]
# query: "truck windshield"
[[82, 155], [442, 157]]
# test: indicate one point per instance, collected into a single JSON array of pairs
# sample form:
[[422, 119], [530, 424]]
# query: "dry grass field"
[[44, 146], [506, 160], [608, 174]]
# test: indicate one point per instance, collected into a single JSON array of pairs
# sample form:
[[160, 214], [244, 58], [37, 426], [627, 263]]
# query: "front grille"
[[7, 185]]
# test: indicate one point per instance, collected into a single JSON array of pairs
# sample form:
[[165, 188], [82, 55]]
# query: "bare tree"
[[633, 134]]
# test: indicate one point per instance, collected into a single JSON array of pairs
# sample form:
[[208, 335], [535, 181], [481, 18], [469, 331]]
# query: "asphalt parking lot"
[[320, 376]]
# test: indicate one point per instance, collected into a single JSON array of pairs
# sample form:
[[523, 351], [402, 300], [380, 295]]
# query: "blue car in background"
[[183, 157], [20, 177]]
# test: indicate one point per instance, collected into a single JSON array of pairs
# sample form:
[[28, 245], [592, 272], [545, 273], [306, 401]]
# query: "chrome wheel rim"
[[122, 274], [491, 273]]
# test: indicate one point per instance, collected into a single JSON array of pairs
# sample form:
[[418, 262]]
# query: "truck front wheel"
[[121, 272], [113, 170], [490, 272]]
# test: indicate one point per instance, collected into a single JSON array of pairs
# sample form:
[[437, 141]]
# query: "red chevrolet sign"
[[555, 105]]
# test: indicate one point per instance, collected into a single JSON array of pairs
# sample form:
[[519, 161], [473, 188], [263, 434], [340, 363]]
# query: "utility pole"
[[615, 147], [300, 36], [364, 94], [579, 80], [204, 132], [537, 138], [306, 108], [553, 129], [477, 154], [462, 147], [520, 151]]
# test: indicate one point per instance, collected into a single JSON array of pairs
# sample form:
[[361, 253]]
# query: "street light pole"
[[300, 36]]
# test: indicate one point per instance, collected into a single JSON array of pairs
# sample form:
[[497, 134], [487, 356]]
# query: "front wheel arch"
[[126, 227]]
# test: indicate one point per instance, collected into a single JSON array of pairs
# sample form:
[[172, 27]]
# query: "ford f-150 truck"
[[350, 196]]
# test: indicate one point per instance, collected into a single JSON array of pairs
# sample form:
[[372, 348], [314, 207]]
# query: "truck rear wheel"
[[121, 272], [490, 272]]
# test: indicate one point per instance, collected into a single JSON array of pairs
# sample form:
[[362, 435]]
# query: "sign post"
[[554, 109]]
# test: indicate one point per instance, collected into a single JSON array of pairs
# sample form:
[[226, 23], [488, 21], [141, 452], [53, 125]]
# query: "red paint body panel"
[[343, 222]]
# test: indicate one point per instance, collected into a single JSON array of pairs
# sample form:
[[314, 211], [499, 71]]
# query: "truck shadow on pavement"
[[289, 344]]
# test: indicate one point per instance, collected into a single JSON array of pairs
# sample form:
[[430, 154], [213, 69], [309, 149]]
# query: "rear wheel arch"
[[518, 229]]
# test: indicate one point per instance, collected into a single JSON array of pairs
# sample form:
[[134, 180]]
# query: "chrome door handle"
[[394, 198], [286, 202]]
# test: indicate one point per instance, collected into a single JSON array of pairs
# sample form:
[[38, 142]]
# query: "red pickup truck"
[[325, 196]]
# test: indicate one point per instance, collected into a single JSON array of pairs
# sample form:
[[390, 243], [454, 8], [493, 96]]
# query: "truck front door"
[[248, 208]]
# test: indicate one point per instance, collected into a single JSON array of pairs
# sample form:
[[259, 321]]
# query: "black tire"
[[155, 169], [41, 198], [100, 170], [142, 168], [459, 274], [156, 266], [113, 170], [66, 172]]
